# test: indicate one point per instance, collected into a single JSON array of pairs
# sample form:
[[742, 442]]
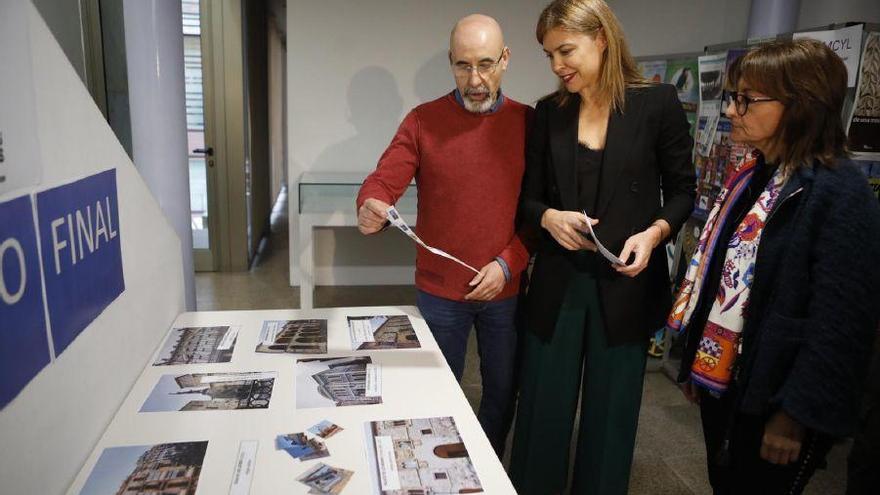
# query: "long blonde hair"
[[619, 70]]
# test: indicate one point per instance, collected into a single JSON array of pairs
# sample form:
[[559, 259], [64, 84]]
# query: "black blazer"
[[647, 152]]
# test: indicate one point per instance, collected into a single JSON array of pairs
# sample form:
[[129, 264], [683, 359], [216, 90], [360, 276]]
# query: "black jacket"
[[647, 151], [814, 302]]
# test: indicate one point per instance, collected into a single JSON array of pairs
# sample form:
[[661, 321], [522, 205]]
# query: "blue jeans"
[[495, 321]]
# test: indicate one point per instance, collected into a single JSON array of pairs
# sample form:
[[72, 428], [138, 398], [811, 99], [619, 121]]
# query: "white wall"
[[814, 13], [355, 69], [49, 430]]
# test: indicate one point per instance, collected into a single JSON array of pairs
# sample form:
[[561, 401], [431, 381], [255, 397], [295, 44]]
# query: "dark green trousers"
[[576, 361]]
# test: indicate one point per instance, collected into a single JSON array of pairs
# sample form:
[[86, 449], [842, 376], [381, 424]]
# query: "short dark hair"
[[810, 80]]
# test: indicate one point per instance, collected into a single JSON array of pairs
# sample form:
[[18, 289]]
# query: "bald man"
[[466, 151]]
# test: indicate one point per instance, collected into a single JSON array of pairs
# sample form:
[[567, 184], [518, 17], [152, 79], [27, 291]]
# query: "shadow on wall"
[[434, 79], [374, 110]]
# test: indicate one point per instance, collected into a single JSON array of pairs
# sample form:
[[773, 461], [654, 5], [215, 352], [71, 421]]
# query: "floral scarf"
[[720, 343]]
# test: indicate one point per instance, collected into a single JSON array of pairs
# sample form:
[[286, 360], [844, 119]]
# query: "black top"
[[759, 181], [589, 167], [648, 142]]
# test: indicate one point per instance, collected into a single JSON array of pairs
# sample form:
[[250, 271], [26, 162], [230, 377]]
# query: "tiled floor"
[[669, 456]]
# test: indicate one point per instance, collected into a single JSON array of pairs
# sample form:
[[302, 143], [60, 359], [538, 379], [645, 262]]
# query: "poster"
[[424, 455], [653, 70], [382, 332], [864, 126], [198, 345], [293, 337], [682, 73], [712, 77], [845, 42], [872, 172], [20, 159], [81, 253], [24, 345], [166, 467], [211, 392], [337, 382]]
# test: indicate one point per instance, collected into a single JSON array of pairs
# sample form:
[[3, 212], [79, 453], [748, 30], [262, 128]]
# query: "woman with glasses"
[[599, 150], [780, 301]]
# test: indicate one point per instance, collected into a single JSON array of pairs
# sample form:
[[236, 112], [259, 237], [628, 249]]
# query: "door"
[[202, 170]]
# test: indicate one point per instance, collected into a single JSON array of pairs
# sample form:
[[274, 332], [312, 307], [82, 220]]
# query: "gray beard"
[[479, 106]]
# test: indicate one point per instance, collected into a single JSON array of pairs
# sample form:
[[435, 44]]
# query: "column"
[[154, 49]]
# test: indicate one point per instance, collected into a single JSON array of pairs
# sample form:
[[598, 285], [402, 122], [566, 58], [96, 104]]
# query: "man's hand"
[[782, 439], [641, 245], [489, 283], [372, 216], [568, 228]]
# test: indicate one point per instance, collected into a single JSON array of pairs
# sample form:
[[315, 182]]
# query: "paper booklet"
[[602, 250]]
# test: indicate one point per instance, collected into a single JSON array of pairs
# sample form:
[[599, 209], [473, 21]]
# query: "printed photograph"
[[382, 332], [196, 345], [325, 479], [336, 382], [325, 429], [301, 447], [293, 337], [419, 456], [211, 392], [163, 468]]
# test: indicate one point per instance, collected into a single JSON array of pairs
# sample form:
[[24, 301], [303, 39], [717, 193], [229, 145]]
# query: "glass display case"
[[329, 192]]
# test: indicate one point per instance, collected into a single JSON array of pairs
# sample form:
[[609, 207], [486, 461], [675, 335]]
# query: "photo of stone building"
[[294, 337], [198, 345], [148, 470], [334, 382], [388, 332], [211, 392], [429, 457]]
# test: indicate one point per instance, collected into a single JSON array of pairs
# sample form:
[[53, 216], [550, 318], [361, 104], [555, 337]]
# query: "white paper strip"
[[398, 221], [228, 339], [361, 331], [374, 381], [389, 477], [244, 468]]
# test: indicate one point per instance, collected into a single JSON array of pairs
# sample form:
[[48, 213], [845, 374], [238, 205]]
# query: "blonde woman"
[[600, 148]]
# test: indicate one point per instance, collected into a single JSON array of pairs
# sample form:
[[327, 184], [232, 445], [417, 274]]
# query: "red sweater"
[[468, 169]]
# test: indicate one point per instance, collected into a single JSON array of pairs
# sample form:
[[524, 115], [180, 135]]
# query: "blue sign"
[[24, 346], [82, 258]]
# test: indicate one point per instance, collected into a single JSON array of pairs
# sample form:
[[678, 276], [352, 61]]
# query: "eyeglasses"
[[483, 68], [741, 101]]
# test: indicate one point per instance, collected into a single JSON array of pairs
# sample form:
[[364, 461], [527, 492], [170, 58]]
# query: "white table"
[[328, 200], [417, 383]]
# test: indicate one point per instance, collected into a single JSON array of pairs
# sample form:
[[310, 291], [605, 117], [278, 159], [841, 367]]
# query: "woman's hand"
[[641, 245], [782, 439], [568, 228]]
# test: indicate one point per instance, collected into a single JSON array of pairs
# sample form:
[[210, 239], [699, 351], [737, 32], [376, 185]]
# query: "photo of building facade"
[[294, 337], [211, 392], [168, 468], [197, 345], [429, 457], [389, 332], [334, 382]]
